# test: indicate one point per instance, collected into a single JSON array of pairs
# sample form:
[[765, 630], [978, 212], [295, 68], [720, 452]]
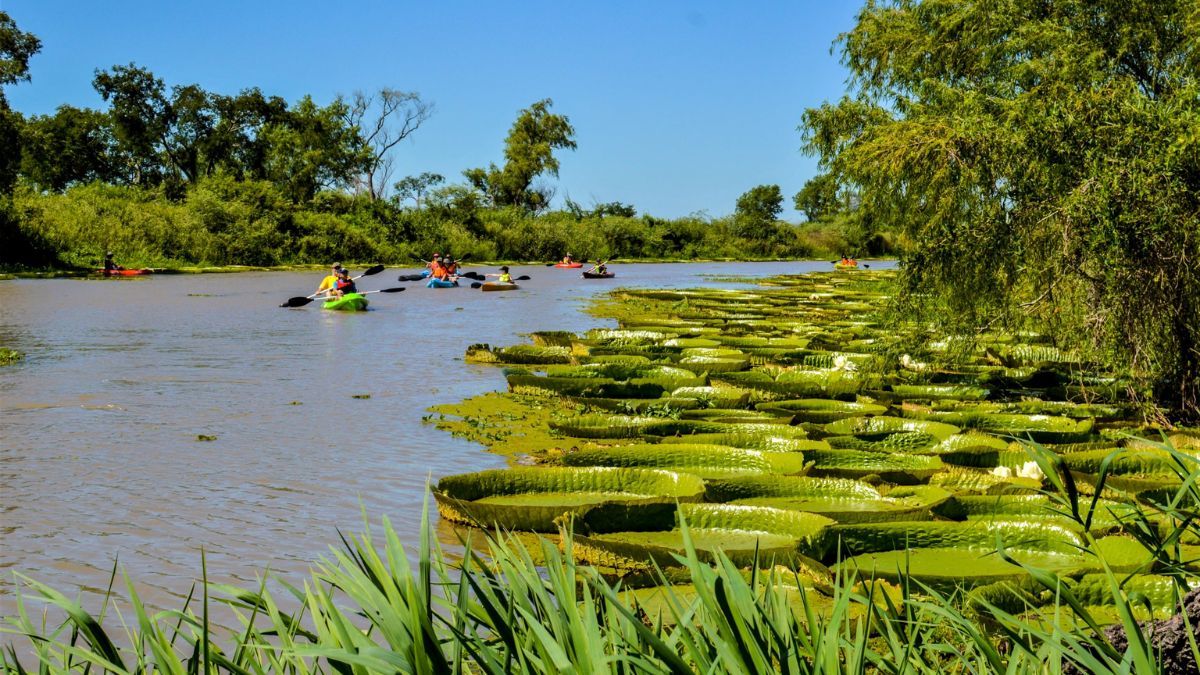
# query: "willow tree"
[[1043, 158]]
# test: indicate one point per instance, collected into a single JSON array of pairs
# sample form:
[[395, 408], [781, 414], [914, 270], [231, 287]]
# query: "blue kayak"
[[440, 283], [425, 274]]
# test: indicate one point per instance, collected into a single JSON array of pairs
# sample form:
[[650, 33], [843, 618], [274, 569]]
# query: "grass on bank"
[[368, 608]]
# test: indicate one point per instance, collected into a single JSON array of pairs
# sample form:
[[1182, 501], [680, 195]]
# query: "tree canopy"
[[1043, 157], [528, 153]]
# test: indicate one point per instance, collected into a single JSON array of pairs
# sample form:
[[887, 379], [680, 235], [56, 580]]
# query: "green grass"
[[368, 607]]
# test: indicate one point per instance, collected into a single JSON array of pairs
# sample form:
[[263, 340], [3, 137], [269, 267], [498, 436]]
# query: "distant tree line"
[[176, 174]]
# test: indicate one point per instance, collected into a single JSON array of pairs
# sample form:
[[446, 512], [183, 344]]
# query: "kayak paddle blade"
[[297, 302], [373, 270], [393, 290], [476, 285], [523, 277]]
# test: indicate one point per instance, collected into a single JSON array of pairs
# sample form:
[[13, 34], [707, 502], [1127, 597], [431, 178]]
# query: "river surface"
[[99, 424]]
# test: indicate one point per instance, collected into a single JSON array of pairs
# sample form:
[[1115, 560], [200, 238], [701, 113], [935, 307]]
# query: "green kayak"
[[350, 302]]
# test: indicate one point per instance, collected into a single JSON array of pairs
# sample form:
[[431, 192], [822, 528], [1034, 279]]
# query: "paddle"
[[597, 265], [300, 301], [523, 277], [375, 269]]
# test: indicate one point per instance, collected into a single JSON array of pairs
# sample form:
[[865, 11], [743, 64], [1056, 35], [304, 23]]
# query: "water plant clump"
[[948, 462]]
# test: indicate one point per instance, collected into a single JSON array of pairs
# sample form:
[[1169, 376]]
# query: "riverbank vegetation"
[[1043, 161]]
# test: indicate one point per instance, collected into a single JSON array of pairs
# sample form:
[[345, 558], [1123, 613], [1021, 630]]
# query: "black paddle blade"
[[476, 285], [523, 277], [410, 277], [297, 302], [372, 270], [393, 290]]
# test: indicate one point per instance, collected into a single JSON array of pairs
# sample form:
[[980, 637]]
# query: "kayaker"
[[111, 265], [451, 265], [344, 283], [568, 259], [330, 281], [437, 260], [599, 268], [504, 277]]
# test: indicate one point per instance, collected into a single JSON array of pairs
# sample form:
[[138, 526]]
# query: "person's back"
[[437, 270]]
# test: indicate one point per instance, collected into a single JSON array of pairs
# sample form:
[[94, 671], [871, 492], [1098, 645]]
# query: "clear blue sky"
[[677, 106]]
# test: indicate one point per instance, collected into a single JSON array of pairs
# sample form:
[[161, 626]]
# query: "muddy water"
[[99, 424]]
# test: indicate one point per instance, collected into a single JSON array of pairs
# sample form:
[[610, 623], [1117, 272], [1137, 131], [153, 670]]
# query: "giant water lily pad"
[[743, 533], [953, 566], [841, 499], [532, 498], [880, 426], [897, 468], [821, 410], [709, 461]]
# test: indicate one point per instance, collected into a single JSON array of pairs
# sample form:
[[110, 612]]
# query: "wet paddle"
[[300, 301], [375, 269]]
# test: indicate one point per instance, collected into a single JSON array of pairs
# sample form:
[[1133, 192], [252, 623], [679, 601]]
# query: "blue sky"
[[678, 106]]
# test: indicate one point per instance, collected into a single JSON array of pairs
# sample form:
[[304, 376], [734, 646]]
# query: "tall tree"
[[1043, 157], [142, 119], [415, 187], [756, 211], [74, 145], [16, 48], [383, 120], [528, 153], [312, 148]]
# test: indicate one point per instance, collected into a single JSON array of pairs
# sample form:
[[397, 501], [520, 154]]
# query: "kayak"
[[597, 275], [124, 273], [350, 302], [425, 274], [845, 266], [574, 265], [498, 286], [440, 283]]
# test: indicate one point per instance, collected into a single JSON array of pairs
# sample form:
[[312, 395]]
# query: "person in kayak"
[[568, 259], [111, 265], [451, 265], [504, 277], [330, 281], [344, 284], [433, 264], [849, 261]]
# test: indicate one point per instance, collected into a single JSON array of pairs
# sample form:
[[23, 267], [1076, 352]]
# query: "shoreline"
[[81, 273]]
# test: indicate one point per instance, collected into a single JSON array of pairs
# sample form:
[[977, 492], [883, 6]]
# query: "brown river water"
[[99, 457]]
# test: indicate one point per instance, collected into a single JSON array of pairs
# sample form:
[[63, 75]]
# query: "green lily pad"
[[708, 461], [821, 410], [841, 499], [880, 426], [532, 498], [743, 533]]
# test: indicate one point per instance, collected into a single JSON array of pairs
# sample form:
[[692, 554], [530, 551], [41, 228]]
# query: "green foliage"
[[1043, 161], [528, 153], [74, 145], [16, 48], [818, 199]]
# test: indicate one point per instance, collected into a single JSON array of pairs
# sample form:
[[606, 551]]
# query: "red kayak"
[[124, 273], [574, 265], [597, 275]]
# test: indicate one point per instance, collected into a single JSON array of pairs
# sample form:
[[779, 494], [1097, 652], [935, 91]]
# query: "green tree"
[[415, 187], [757, 210], [528, 154], [818, 199], [1043, 158], [16, 48], [142, 119], [74, 145], [313, 147]]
